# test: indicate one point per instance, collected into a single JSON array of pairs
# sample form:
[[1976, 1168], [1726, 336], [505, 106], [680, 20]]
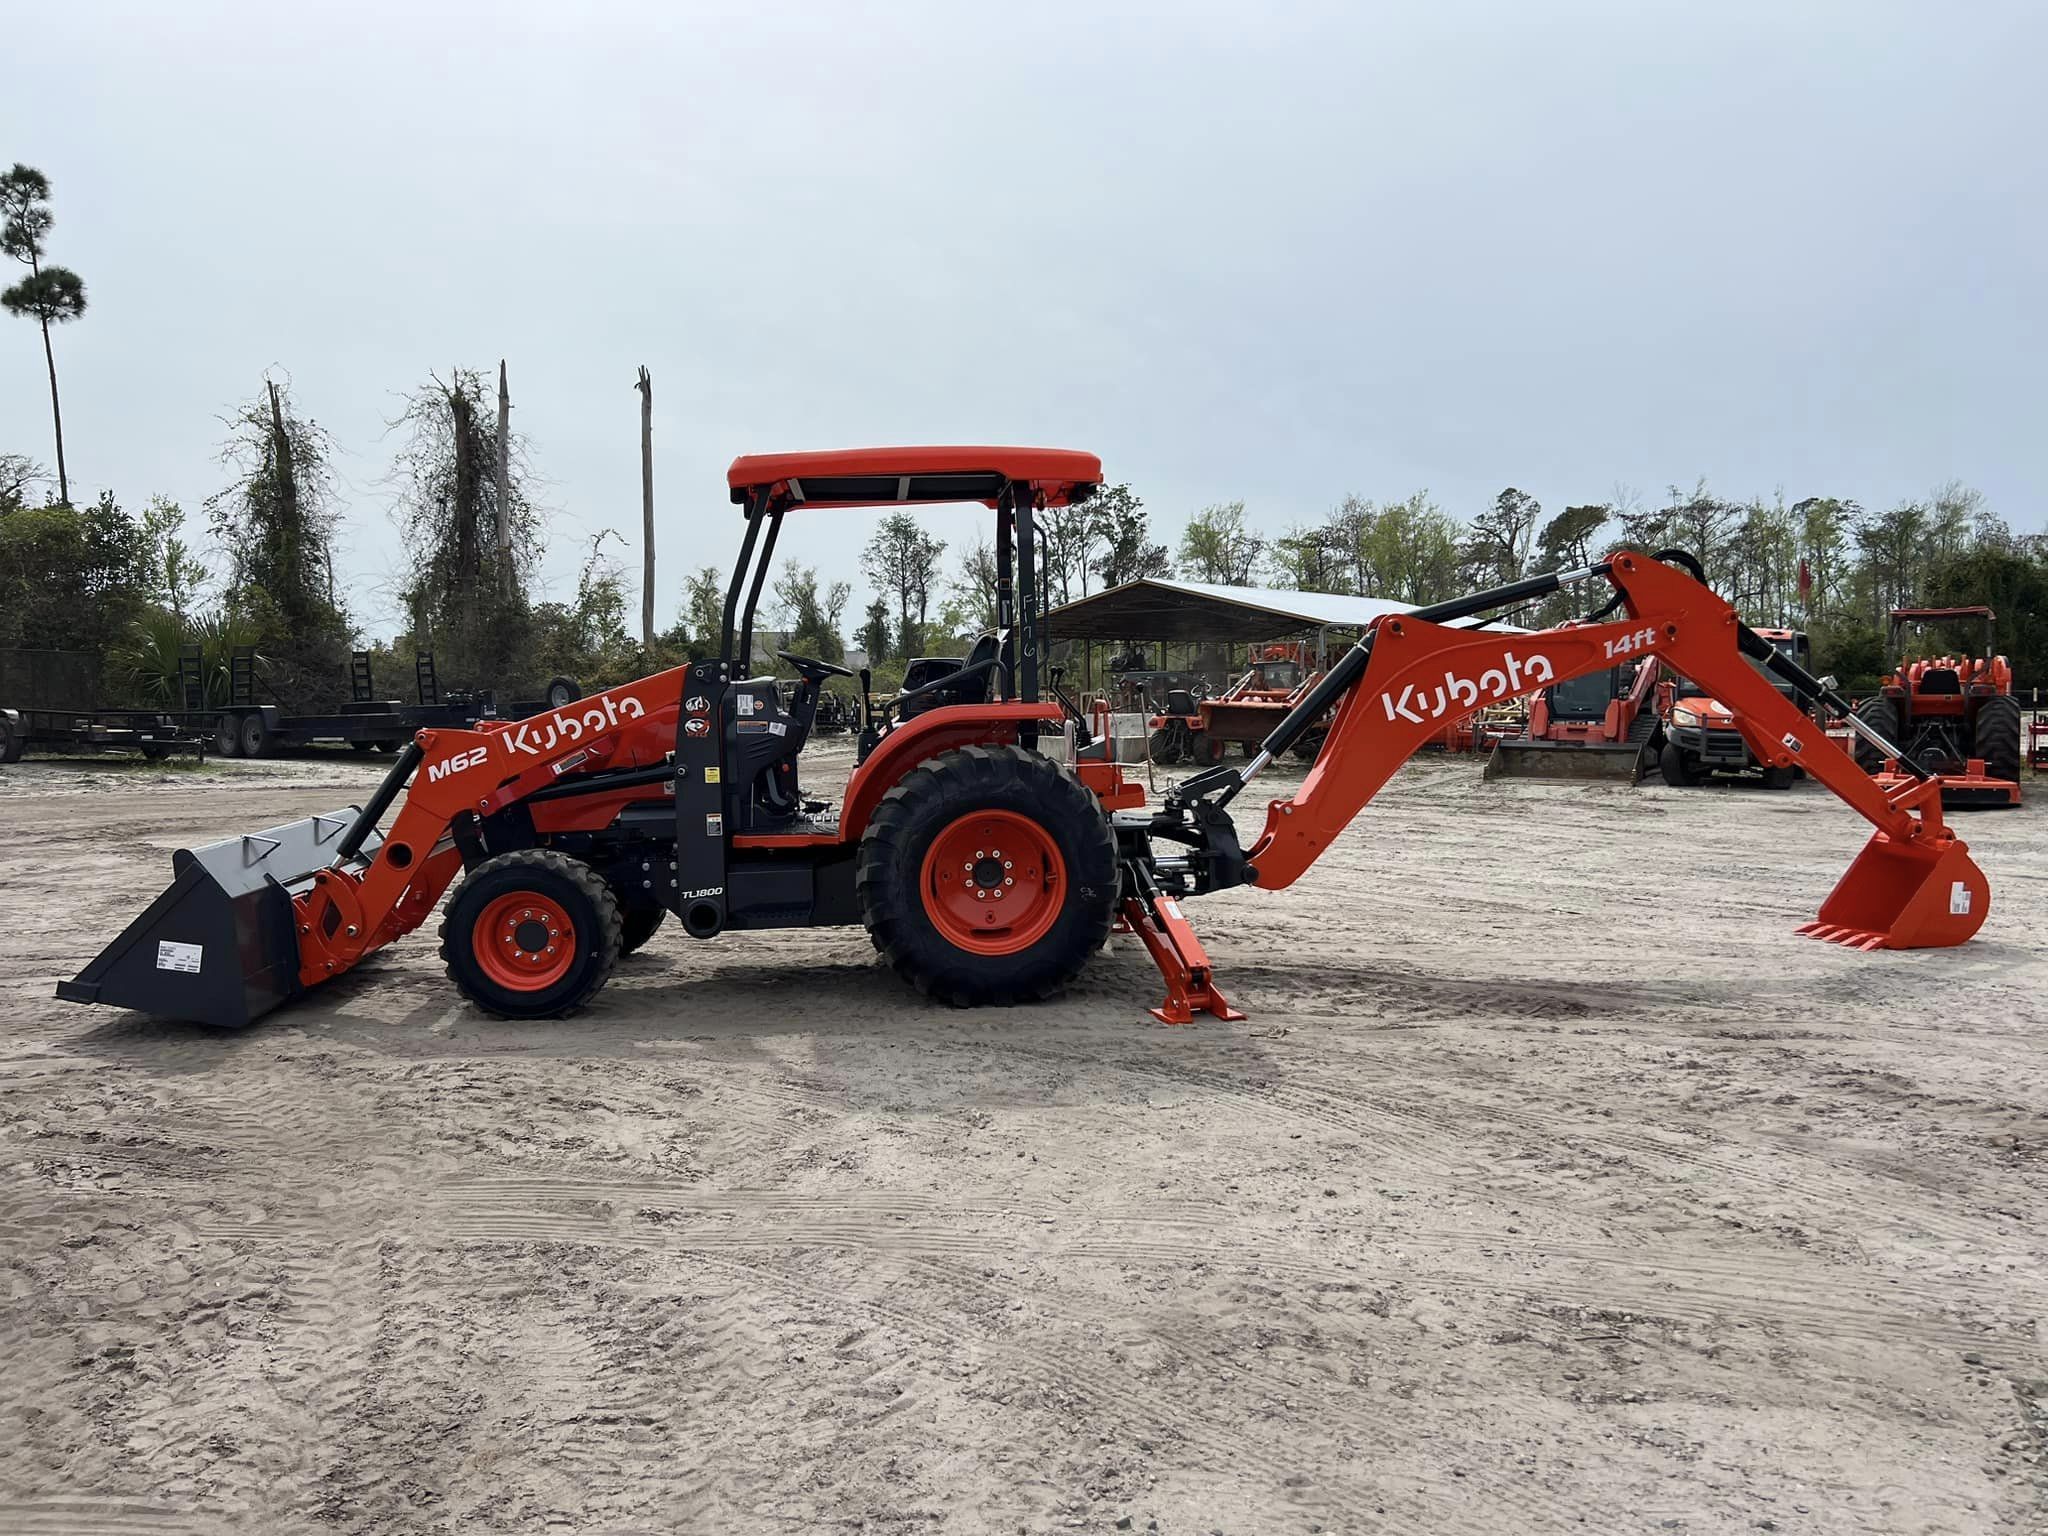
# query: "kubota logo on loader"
[[1462, 693], [604, 713], [461, 760]]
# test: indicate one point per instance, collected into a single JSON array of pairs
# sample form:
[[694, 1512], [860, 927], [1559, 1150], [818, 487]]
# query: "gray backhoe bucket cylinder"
[[220, 945]]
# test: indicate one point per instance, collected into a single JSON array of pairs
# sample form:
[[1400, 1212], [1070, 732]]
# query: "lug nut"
[[1007, 881]]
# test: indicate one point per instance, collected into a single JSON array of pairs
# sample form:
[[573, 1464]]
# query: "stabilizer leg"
[[1171, 941]]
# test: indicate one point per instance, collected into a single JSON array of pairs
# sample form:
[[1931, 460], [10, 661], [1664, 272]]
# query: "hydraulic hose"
[[373, 812]]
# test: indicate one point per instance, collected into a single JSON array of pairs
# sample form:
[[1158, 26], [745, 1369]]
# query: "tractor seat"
[[970, 690], [1942, 679]]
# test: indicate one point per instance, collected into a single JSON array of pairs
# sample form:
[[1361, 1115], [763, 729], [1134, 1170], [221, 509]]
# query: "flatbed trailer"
[[247, 727], [152, 733]]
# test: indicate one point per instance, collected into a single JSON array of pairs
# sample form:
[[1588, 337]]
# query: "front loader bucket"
[[219, 946], [1620, 762], [1905, 896]]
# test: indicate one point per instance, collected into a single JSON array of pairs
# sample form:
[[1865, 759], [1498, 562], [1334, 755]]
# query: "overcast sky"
[[1275, 252]]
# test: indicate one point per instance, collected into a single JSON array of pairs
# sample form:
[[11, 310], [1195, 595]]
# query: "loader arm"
[[1913, 886]]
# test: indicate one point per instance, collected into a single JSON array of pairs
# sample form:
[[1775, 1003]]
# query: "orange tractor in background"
[[1951, 715], [1599, 726], [1197, 730]]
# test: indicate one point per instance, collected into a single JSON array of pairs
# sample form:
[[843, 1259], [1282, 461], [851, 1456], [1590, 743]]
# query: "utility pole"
[[646, 388], [504, 483]]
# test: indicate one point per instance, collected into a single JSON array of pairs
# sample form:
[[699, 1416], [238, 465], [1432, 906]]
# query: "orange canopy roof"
[[877, 477]]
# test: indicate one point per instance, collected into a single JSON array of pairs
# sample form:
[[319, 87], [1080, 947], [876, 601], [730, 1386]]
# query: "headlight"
[[1680, 715]]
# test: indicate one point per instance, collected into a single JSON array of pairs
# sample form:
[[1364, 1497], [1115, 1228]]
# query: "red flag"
[[1805, 581]]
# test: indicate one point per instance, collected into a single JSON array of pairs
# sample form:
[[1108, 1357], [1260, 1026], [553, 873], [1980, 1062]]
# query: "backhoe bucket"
[[1905, 896], [1621, 762], [219, 946]]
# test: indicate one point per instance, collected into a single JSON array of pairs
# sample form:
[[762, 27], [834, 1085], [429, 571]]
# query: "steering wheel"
[[813, 671]]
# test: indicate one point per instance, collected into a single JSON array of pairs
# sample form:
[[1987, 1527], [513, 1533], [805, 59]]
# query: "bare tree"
[[449, 508]]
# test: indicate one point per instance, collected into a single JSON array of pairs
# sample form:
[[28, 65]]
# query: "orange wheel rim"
[[524, 942], [993, 883]]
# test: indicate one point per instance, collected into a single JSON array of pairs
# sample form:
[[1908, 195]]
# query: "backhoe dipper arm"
[[1407, 676]]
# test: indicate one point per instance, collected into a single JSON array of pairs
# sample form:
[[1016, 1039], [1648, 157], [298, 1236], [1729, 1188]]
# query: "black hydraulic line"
[[745, 661], [739, 574], [1807, 685], [373, 812], [1811, 688], [599, 783], [1350, 667]]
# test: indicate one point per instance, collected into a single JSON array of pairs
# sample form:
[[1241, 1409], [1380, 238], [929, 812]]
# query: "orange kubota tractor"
[[1198, 729], [1953, 715], [985, 868]]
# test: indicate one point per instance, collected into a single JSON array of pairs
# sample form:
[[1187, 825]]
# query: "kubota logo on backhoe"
[[538, 739], [1516, 674]]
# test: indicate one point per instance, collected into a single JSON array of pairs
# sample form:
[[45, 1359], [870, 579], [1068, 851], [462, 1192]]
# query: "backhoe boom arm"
[[1913, 886]]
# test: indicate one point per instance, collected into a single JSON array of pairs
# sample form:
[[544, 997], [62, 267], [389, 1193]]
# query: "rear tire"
[[1881, 714], [227, 737], [561, 692], [1779, 778], [1998, 736], [1678, 773], [13, 742], [934, 851], [256, 738], [1204, 750], [531, 934], [1163, 748]]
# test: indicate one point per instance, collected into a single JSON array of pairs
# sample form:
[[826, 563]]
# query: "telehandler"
[[985, 868]]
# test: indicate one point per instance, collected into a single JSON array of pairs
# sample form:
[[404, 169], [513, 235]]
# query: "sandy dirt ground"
[[1553, 1185]]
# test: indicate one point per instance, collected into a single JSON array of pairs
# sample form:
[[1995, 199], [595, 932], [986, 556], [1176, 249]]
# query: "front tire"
[[531, 934], [1678, 773], [1998, 736], [987, 875], [227, 737], [1779, 778]]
